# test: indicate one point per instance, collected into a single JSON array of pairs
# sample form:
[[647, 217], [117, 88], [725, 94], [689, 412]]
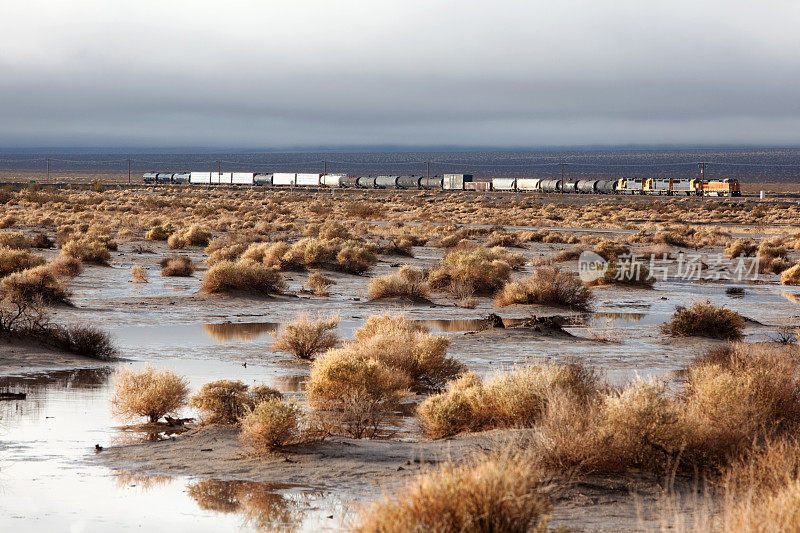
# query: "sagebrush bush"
[[88, 341], [547, 286], [88, 250], [243, 276], [739, 248], [13, 260], [611, 250], [305, 337], [38, 282], [408, 282], [791, 275], [194, 235], [704, 319], [226, 402], [484, 270], [177, 266], [318, 284], [13, 239], [498, 492], [66, 266], [139, 274], [271, 424], [149, 393], [159, 233], [40, 240], [512, 399]]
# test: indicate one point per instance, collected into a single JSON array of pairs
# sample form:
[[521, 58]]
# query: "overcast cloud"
[[268, 74]]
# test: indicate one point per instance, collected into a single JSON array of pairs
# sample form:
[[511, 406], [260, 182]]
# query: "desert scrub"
[[483, 269], [703, 319], [791, 276], [629, 273], [14, 260], [408, 282], [42, 241], [66, 266], [496, 492], [13, 239], [88, 250], [547, 286], [225, 401], [243, 276], [148, 393], [194, 235], [271, 424], [177, 266], [159, 232], [305, 337], [740, 248], [611, 250], [38, 282], [319, 284], [87, 341], [510, 399], [354, 395], [139, 274]]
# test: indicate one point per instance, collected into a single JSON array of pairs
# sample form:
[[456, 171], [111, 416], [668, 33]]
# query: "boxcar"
[[504, 184]]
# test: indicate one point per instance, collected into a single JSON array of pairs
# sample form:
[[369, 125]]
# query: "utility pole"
[[324, 167], [48, 169], [702, 166], [562, 178], [219, 169], [427, 175], [129, 171]]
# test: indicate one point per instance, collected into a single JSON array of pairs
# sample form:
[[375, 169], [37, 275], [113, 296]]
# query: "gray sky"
[[275, 73]]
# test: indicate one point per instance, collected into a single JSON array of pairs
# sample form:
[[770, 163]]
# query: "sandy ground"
[[23, 357], [369, 467]]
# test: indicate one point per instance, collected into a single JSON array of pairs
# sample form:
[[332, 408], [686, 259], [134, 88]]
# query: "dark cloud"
[[502, 73]]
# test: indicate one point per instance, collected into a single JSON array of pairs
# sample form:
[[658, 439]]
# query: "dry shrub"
[[243, 276], [38, 282], [630, 273], [610, 250], [503, 238], [88, 341], [194, 235], [740, 248], [331, 229], [159, 233], [40, 240], [498, 492], [177, 266], [318, 284], [13, 260], [512, 399], [13, 239], [66, 266], [271, 424], [88, 250], [226, 253], [791, 276], [547, 286], [139, 274], [355, 257], [353, 394], [408, 282], [485, 270], [704, 319], [149, 393], [225, 401], [305, 337]]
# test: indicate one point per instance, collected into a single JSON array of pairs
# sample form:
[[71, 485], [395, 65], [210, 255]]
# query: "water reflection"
[[243, 331], [792, 297], [123, 480], [620, 317], [262, 506], [290, 383]]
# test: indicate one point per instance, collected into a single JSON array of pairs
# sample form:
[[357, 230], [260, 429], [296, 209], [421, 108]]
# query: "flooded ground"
[[50, 479]]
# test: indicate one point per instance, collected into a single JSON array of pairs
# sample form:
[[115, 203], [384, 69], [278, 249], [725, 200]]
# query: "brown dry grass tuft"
[[271, 424], [13, 239], [408, 282], [66, 266], [243, 276], [139, 274], [149, 393], [177, 266], [14, 260], [318, 284], [226, 402], [497, 492], [791, 276], [484, 270], [38, 282], [547, 286], [88, 250], [194, 235], [305, 337], [704, 319]]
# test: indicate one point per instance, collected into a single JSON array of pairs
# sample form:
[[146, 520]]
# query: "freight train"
[[457, 182]]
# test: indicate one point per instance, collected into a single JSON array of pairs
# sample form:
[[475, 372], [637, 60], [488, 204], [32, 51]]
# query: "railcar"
[[723, 187]]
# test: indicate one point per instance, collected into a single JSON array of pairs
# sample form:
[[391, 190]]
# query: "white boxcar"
[[283, 178], [226, 178], [242, 178], [332, 180], [504, 184], [200, 178], [528, 184], [308, 180], [455, 181]]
